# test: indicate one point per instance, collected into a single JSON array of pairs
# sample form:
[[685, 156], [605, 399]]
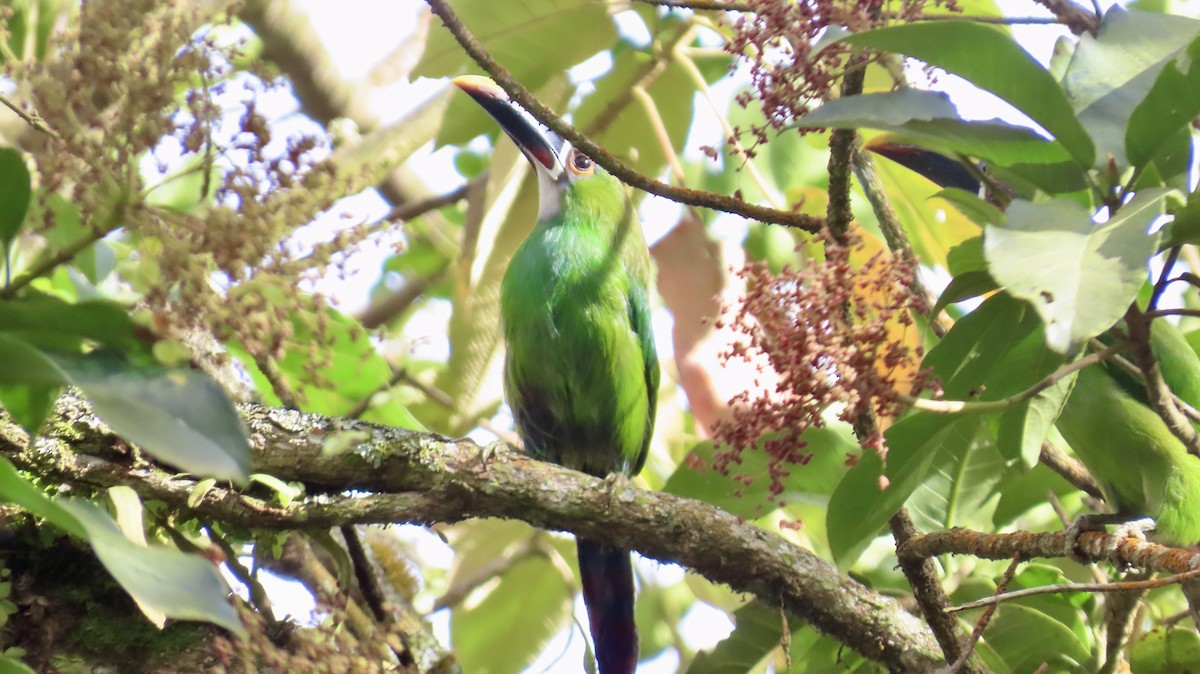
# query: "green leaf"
[[997, 351], [957, 486], [47, 321], [169, 582], [993, 61], [964, 287], [860, 508], [1025, 427], [1109, 75], [97, 260], [351, 371], [659, 610], [929, 119], [758, 630], [198, 492], [28, 405], [1022, 492], [1027, 637], [25, 364], [829, 447], [1171, 165], [29, 382], [1185, 227], [1167, 651], [180, 416], [15, 192], [532, 595], [1171, 104], [285, 492], [1080, 276], [966, 257], [13, 666], [630, 133], [535, 36], [533, 39], [979, 211], [969, 357], [16, 489]]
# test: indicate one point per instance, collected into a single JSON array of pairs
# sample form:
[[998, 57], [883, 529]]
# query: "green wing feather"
[[1141, 466]]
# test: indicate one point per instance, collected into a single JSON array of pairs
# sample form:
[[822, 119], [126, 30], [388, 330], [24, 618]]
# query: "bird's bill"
[[942, 170], [532, 141]]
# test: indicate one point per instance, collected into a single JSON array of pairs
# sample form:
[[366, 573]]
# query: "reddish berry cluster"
[[830, 333]]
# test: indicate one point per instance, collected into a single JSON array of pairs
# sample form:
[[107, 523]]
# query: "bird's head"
[[565, 175], [943, 169]]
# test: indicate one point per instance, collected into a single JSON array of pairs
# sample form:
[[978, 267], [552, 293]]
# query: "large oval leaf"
[[859, 508], [15, 192], [928, 117], [163, 581], [1110, 74], [990, 60], [179, 416], [1080, 276]]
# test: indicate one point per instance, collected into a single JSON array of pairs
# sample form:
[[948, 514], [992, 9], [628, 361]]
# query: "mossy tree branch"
[[403, 476]]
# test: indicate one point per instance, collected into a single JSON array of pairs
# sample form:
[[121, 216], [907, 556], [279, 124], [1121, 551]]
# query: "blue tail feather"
[[607, 574]]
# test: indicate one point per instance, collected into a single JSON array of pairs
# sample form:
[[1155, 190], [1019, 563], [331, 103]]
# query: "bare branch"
[[1121, 586], [1120, 551], [1158, 393]]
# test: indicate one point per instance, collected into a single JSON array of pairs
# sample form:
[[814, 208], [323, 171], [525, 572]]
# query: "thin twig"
[[1118, 549], [499, 566], [985, 619], [895, 236], [395, 303], [416, 209], [364, 573], [660, 133], [34, 120], [1132, 370], [697, 77], [442, 398], [1077, 19], [363, 405], [644, 76], [922, 574], [1070, 469], [702, 5], [683, 195], [1007, 402], [1157, 392], [52, 262], [1060, 588], [719, 6], [259, 598], [1163, 278], [279, 384], [1179, 311]]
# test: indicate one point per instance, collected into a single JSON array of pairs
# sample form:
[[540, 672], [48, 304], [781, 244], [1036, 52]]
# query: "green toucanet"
[[1142, 468], [580, 373]]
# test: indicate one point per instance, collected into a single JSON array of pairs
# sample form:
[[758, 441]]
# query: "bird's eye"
[[581, 164]]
